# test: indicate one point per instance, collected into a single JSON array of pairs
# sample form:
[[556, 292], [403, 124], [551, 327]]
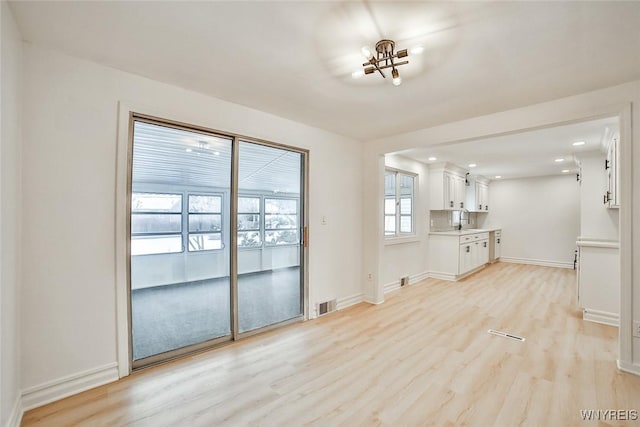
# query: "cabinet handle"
[[484, 245], [498, 241], [462, 204], [486, 207], [468, 249], [606, 164], [451, 204], [607, 197]]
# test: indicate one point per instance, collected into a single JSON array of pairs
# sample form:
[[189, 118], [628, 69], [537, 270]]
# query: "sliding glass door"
[[269, 236], [193, 282]]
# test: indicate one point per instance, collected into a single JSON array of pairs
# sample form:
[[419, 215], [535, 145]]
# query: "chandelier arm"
[[396, 64]]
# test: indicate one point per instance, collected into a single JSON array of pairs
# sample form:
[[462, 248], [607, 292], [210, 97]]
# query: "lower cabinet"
[[454, 256]]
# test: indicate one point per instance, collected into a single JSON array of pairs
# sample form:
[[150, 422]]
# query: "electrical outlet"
[[636, 329], [369, 276]]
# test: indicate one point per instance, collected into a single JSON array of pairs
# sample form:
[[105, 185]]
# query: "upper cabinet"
[[447, 185], [477, 195], [611, 166]]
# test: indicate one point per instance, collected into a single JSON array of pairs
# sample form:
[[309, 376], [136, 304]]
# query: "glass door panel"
[[180, 251], [270, 285]]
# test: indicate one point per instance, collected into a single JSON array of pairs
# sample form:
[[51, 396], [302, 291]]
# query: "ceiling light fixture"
[[433, 159], [577, 143], [384, 58], [560, 160], [472, 165], [498, 176]]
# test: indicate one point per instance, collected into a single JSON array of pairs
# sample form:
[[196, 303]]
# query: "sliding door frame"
[[235, 334]]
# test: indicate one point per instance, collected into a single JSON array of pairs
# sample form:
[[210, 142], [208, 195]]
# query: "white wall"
[[10, 222], [408, 256], [70, 191], [539, 217], [596, 220]]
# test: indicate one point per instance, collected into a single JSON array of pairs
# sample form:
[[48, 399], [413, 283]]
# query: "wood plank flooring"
[[424, 357]]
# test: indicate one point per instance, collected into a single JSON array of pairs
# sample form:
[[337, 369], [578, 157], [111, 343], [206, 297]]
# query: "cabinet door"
[[485, 197], [449, 191], [477, 254], [484, 252], [460, 192], [465, 258]]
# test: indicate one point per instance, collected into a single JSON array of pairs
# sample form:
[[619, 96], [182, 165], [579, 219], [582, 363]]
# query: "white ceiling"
[[524, 154], [295, 59], [179, 159]]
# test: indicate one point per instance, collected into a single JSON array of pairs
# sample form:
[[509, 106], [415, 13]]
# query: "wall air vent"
[[404, 281], [326, 307]]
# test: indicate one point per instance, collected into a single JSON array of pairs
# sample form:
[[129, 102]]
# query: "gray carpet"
[[168, 317]]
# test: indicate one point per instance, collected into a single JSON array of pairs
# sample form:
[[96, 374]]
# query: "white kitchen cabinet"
[[477, 194], [598, 280], [611, 165], [447, 187], [455, 255], [497, 252]]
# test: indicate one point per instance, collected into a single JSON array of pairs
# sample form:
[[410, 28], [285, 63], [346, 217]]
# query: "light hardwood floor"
[[424, 357]]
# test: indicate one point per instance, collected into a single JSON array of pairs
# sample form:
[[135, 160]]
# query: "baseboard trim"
[[602, 317], [342, 303], [51, 391], [390, 287], [416, 278], [630, 368], [15, 418], [442, 276], [540, 262]]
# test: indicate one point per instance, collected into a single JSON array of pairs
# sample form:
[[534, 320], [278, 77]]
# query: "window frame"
[[264, 221], [187, 214], [398, 196], [260, 228], [161, 234]]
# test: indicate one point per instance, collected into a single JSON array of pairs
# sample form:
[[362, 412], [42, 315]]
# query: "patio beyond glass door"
[[195, 283]]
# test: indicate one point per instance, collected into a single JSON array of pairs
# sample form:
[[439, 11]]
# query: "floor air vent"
[[505, 335], [326, 307], [404, 281]]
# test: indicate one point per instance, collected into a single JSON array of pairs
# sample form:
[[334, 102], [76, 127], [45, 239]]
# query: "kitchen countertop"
[[464, 232]]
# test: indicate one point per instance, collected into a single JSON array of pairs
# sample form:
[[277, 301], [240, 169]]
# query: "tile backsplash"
[[449, 220]]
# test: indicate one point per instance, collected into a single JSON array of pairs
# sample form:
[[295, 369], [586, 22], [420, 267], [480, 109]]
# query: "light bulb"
[[397, 80], [357, 74], [417, 50], [366, 52]]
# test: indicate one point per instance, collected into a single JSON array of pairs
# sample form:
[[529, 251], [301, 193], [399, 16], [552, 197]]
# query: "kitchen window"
[[398, 203]]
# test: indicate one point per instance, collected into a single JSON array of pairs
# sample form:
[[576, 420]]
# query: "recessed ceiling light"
[[216, 153], [472, 165], [498, 176], [188, 150], [578, 143], [357, 74], [417, 50], [433, 159], [559, 160], [565, 170]]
